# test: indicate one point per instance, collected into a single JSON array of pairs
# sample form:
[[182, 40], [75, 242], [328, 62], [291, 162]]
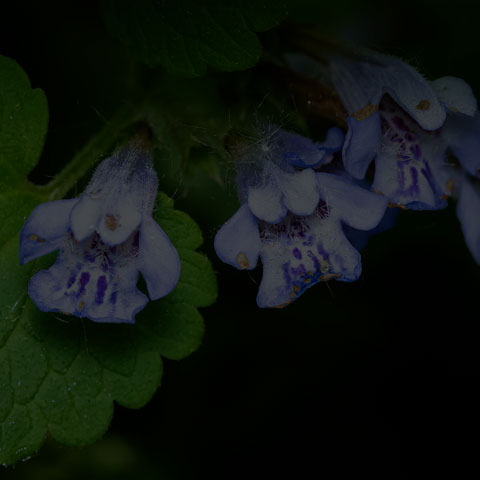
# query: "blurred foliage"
[[185, 36]]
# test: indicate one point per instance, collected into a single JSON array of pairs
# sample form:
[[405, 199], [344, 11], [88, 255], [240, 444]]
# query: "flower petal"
[[265, 202], [363, 139], [158, 260], [462, 135], [85, 217], [358, 83], [363, 82], [298, 150], [468, 208], [45, 229], [85, 290], [354, 205], [359, 238], [406, 182], [300, 191], [291, 264], [333, 142], [456, 95], [122, 189], [413, 93], [238, 241], [119, 220]]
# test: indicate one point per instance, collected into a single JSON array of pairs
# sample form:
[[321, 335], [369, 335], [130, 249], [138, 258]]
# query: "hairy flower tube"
[[304, 243], [105, 237]]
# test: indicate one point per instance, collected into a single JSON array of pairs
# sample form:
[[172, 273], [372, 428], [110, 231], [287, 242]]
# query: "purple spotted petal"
[[265, 202], [462, 135], [405, 182], [363, 139], [297, 258], [354, 205], [105, 238], [158, 260], [45, 229], [91, 279], [238, 242], [410, 165], [468, 212], [456, 95]]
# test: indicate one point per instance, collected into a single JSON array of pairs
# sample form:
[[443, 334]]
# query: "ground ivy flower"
[[105, 237], [413, 128], [424, 136], [300, 250], [299, 247], [412, 167], [268, 178], [362, 81]]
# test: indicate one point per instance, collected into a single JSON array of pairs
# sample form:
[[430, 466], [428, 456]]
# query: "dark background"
[[378, 377]]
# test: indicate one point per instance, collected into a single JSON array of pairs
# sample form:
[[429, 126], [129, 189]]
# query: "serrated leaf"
[[198, 280], [186, 36], [182, 230], [23, 123], [60, 374]]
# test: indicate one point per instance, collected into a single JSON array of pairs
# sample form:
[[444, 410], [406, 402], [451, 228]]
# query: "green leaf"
[[60, 374], [23, 123], [186, 36]]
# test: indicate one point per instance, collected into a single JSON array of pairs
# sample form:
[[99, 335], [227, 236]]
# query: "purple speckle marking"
[[113, 297], [415, 149], [414, 173], [84, 279], [101, 287], [71, 280], [299, 271], [89, 257], [297, 253], [286, 275], [427, 173], [322, 251], [309, 241]]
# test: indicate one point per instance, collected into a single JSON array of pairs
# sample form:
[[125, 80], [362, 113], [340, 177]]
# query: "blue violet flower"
[[295, 228], [416, 130], [105, 237]]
